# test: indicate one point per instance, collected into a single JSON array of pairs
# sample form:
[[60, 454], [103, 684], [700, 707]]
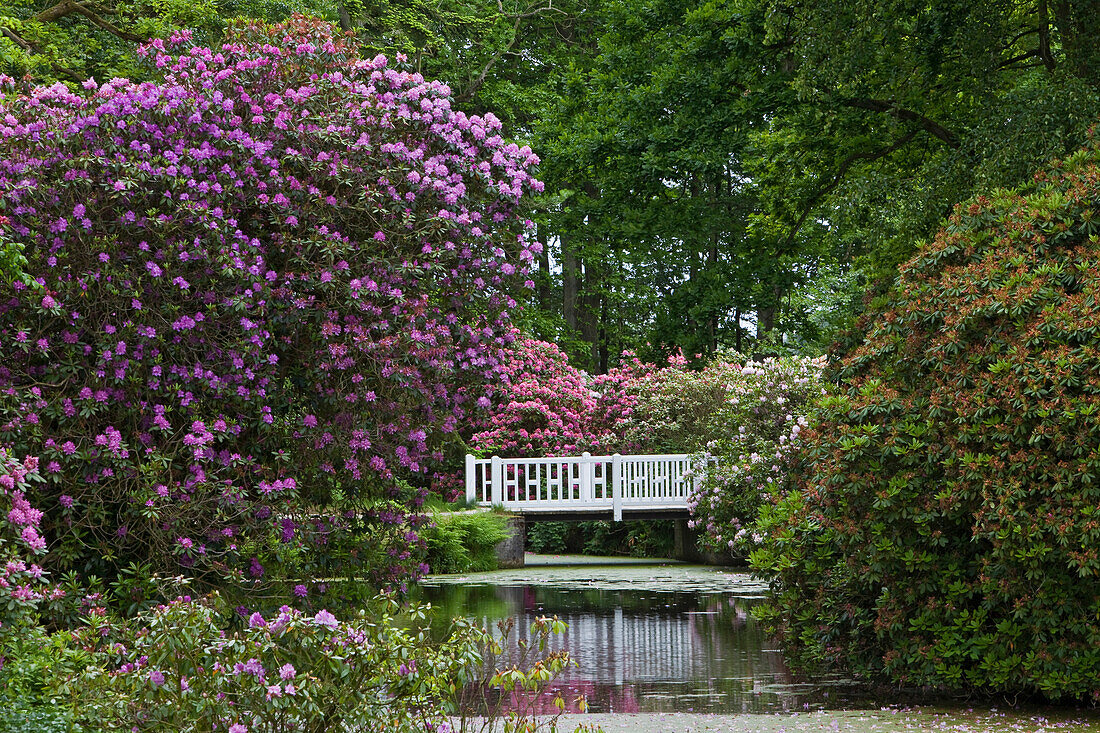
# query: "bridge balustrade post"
[[496, 490], [471, 481], [587, 471], [617, 487]]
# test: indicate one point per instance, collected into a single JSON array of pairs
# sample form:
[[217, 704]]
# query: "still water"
[[648, 638], [674, 648]]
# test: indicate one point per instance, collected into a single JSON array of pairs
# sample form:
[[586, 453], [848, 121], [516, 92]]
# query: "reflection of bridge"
[[583, 487], [617, 647], [640, 650]]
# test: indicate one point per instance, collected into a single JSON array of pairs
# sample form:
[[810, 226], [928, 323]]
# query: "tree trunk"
[[766, 314], [1078, 23], [345, 18], [588, 315], [737, 330], [712, 314], [604, 345], [543, 291], [569, 276]]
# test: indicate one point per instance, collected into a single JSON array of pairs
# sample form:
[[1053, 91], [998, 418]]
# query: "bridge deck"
[[591, 515], [584, 487]]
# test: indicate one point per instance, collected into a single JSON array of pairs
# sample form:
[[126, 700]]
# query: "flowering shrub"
[[22, 581], [759, 413], [277, 279], [945, 531], [541, 407], [178, 670], [637, 410], [545, 406]]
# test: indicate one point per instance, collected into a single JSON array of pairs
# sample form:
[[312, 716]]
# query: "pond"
[[659, 643]]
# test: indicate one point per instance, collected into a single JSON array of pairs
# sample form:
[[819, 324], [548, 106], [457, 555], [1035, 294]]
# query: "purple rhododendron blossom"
[[324, 618]]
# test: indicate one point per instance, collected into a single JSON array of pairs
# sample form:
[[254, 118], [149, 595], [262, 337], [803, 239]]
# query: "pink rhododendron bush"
[[23, 585], [264, 292], [761, 409], [542, 405]]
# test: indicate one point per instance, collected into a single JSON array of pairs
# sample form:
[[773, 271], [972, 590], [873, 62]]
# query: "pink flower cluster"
[[541, 406], [21, 517], [22, 582], [545, 406]]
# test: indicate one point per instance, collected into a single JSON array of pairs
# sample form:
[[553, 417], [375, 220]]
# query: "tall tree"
[[72, 40]]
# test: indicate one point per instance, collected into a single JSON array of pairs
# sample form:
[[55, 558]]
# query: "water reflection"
[[643, 650]]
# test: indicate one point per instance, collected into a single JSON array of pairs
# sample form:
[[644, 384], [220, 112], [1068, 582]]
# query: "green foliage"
[[464, 542], [67, 41], [12, 259], [641, 538], [638, 538], [26, 704], [177, 669], [16, 716], [945, 531], [551, 538]]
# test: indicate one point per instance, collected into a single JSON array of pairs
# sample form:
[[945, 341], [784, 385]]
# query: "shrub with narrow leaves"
[[277, 279], [946, 531]]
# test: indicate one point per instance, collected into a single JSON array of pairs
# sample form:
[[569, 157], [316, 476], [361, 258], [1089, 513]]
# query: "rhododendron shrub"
[[650, 408], [23, 584], [542, 405], [753, 444], [271, 283], [545, 406], [945, 532], [176, 668]]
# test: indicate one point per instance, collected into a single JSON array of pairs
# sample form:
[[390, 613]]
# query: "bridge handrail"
[[585, 482]]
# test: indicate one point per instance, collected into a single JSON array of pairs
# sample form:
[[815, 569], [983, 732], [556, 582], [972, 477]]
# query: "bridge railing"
[[581, 483]]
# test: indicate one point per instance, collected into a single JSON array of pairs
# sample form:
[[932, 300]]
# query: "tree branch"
[[69, 7], [1018, 36], [32, 48], [109, 27], [926, 123], [56, 12], [842, 171], [471, 90], [533, 10], [1008, 62], [15, 38]]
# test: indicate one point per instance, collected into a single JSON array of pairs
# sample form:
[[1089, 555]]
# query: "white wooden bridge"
[[641, 487]]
